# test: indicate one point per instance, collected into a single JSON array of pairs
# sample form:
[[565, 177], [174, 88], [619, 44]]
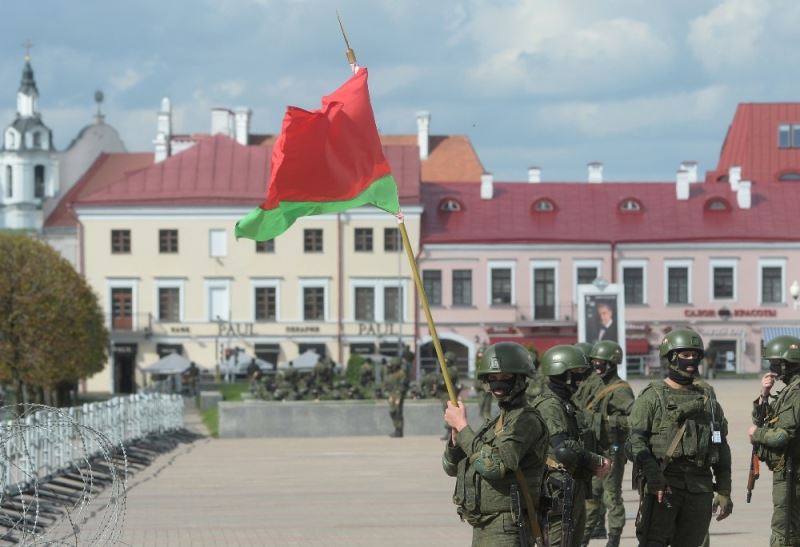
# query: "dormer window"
[[449, 205], [544, 205], [630, 205], [789, 135], [37, 140], [11, 141], [717, 204], [789, 177]]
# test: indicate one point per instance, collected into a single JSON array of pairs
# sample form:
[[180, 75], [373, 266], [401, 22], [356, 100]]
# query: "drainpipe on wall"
[[339, 288], [613, 261]]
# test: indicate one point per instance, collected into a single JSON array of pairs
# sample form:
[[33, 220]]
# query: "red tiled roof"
[[451, 158], [589, 213], [106, 169], [219, 171], [752, 143]]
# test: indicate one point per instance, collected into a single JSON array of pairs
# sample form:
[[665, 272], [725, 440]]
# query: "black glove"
[[653, 474]]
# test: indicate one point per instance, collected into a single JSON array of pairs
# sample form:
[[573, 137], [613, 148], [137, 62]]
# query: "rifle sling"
[[538, 537], [603, 392], [673, 445]]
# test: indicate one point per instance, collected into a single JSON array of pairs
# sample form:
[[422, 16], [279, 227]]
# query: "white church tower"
[[28, 166]]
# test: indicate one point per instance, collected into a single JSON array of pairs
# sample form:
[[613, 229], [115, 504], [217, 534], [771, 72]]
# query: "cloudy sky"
[[638, 85]]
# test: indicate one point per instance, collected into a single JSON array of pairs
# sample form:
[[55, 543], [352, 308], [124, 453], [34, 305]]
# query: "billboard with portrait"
[[601, 315]]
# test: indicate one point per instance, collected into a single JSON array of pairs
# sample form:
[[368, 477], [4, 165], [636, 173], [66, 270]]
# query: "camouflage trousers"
[[498, 532], [578, 518], [396, 411], [779, 492], [606, 495], [684, 524]]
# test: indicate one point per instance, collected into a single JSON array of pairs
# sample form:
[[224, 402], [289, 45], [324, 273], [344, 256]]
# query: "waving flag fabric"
[[324, 161]]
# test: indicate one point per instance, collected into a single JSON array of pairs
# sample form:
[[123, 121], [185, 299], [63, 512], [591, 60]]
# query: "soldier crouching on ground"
[[571, 463], [775, 435], [499, 468], [678, 443]]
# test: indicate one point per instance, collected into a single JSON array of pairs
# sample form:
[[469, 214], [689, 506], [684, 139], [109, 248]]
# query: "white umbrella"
[[170, 364]]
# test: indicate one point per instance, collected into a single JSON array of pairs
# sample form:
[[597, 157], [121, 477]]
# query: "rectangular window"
[[678, 285], [217, 243], [363, 239], [544, 293], [391, 240], [462, 287], [169, 304], [219, 302], [314, 303], [633, 279], [723, 282], [168, 241], [432, 283], [312, 240], [586, 275], [392, 304], [365, 304], [796, 136], [266, 303], [38, 181], [120, 241], [784, 136], [267, 246], [771, 285], [501, 285], [122, 309]]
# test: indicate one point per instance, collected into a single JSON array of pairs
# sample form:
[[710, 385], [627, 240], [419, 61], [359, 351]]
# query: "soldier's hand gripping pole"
[[426, 308]]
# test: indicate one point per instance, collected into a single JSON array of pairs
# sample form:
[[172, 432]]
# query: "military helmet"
[[507, 357], [585, 347], [681, 339], [607, 350], [783, 347], [559, 359], [449, 357]]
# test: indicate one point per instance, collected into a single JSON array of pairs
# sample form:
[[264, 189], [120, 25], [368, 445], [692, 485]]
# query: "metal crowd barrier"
[[46, 441]]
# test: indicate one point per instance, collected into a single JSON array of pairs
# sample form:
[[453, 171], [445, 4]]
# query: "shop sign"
[[179, 330], [235, 329], [377, 329], [726, 313], [301, 329]]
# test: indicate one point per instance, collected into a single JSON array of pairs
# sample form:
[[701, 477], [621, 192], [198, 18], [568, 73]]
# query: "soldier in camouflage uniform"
[[608, 410], [482, 391], [678, 442], [586, 390], [505, 455], [395, 385], [569, 457], [537, 382], [776, 434]]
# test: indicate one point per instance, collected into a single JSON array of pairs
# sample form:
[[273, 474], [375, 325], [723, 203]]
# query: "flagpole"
[[351, 59]]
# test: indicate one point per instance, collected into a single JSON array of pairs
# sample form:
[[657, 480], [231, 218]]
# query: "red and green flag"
[[324, 161]]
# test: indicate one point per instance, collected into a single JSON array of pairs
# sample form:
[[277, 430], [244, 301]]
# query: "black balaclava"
[[512, 387], [784, 370], [606, 370], [566, 384], [678, 372]]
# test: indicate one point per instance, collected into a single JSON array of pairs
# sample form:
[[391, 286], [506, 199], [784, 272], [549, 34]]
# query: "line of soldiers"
[[546, 468]]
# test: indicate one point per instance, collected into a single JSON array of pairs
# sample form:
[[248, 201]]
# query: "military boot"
[[397, 433], [599, 531], [613, 538]]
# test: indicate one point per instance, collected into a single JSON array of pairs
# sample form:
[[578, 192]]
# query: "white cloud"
[[231, 88], [637, 115], [126, 80], [728, 36]]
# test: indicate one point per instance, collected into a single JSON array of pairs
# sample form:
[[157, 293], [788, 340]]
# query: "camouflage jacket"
[[607, 411], [779, 432]]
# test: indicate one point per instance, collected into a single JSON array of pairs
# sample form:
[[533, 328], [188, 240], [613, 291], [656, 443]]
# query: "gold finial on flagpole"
[[351, 55]]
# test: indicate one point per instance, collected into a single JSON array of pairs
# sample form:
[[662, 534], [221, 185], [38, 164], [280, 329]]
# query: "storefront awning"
[[636, 346], [768, 333]]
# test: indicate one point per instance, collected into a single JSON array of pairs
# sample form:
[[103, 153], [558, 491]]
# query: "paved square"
[[360, 491]]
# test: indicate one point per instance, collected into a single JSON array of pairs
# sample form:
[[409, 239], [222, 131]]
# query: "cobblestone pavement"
[[358, 491]]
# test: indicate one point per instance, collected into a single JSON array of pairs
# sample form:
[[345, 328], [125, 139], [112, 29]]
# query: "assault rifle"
[[518, 517], [791, 473], [567, 523], [755, 461]]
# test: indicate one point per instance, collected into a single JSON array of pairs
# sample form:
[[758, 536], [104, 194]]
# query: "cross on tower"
[[27, 45]]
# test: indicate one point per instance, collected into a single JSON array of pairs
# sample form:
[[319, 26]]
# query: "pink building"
[[502, 261]]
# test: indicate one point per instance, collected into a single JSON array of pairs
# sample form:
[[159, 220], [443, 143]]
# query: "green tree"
[[52, 331]]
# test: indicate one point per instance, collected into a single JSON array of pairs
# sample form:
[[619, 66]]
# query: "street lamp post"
[[794, 290]]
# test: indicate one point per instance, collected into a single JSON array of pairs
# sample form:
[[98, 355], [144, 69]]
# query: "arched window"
[[9, 182], [717, 204], [789, 177], [38, 181], [449, 205], [37, 140], [544, 205], [630, 205]]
